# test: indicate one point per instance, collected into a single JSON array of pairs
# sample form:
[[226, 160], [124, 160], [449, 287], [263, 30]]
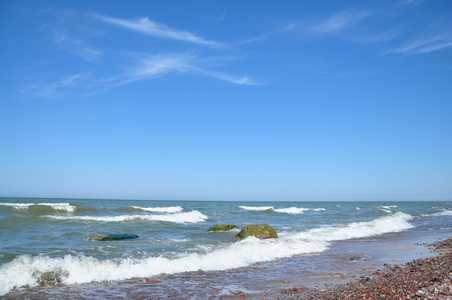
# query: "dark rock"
[[219, 227], [115, 237], [356, 257], [261, 231]]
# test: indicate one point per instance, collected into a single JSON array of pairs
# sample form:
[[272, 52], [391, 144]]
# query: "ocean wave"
[[187, 217], [445, 212], [169, 209], [56, 206], [288, 210], [256, 208], [386, 208], [296, 210], [33, 271], [391, 223]]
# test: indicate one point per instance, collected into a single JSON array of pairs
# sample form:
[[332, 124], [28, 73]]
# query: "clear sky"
[[226, 100]]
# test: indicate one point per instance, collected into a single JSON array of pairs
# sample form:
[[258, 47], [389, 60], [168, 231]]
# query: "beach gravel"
[[425, 278]]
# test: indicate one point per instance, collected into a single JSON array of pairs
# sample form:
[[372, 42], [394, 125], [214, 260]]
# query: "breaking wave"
[[289, 210], [256, 208], [56, 206], [169, 209], [187, 217], [387, 208], [445, 212], [391, 223], [33, 271]]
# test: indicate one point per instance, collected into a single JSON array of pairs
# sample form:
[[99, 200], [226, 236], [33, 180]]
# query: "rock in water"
[[219, 227], [261, 231], [116, 237], [356, 257]]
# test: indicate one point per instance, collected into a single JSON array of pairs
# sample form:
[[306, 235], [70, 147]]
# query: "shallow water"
[[46, 251]]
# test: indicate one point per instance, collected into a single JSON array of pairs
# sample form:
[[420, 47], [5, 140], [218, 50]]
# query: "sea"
[[47, 250]]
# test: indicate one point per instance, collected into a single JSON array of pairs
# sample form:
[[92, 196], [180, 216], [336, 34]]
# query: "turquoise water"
[[44, 242]]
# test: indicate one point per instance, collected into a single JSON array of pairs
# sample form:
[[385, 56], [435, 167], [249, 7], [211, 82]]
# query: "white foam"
[[18, 205], [56, 206], [391, 223], [444, 213], [26, 270], [256, 208], [387, 208], [187, 217], [288, 210], [169, 209]]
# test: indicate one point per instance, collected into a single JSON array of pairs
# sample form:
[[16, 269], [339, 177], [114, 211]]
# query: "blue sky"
[[226, 100]]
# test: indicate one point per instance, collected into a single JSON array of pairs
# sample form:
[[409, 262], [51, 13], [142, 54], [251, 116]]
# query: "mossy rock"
[[261, 231], [115, 237], [219, 227]]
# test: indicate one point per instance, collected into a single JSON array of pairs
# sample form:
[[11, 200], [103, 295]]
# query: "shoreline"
[[314, 271], [422, 278]]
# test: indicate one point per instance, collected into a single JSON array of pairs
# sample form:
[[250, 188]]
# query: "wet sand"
[[423, 278]]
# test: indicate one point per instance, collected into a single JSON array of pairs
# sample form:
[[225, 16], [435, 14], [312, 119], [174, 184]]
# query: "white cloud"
[[425, 45], [379, 37], [59, 88], [347, 25], [146, 67], [340, 22], [150, 66], [76, 47], [146, 26]]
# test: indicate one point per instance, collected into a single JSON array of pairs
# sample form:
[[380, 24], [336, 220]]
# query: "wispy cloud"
[[148, 27], [346, 25], [425, 45], [411, 2], [59, 88], [379, 37], [151, 66], [76, 47], [341, 21], [145, 67], [118, 66]]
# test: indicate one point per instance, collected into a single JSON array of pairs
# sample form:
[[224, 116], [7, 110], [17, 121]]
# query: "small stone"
[[153, 281]]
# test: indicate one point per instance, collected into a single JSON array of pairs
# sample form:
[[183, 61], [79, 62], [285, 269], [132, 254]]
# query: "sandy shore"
[[425, 278]]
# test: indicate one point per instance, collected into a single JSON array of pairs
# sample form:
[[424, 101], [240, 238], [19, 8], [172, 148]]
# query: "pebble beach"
[[424, 278]]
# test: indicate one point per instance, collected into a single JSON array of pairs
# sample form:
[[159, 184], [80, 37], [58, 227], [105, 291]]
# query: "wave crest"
[[187, 217], [56, 206], [288, 210], [169, 209], [391, 223]]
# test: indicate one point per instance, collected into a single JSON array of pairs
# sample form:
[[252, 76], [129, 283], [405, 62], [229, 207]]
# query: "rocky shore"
[[426, 278]]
